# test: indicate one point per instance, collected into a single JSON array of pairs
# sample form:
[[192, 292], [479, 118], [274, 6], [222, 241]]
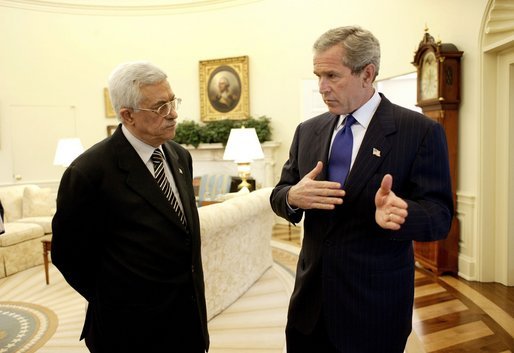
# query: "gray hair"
[[360, 47], [126, 80]]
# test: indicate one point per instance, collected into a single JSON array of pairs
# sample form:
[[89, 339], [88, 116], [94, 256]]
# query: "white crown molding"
[[501, 17], [498, 27], [122, 7]]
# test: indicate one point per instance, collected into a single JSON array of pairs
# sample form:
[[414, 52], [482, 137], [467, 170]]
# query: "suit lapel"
[[323, 137], [374, 149]]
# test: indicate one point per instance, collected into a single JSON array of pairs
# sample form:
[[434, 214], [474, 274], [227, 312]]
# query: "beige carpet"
[[254, 323]]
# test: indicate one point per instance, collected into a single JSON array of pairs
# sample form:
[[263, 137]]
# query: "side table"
[[47, 246]]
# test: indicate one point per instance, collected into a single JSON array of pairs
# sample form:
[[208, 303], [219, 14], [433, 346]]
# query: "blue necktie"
[[341, 153]]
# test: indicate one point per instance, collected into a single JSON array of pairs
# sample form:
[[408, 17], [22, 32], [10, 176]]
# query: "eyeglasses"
[[165, 109]]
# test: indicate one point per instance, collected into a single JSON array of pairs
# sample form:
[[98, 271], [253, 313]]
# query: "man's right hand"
[[310, 193]]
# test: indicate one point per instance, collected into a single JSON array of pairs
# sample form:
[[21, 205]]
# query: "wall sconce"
[[243, 147], [67, 150]]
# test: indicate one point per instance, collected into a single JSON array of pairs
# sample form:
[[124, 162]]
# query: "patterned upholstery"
[[28, 220], [212, 186]]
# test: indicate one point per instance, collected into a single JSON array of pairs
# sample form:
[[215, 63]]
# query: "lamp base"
[[244, 184], [236, 180], [244, 173]]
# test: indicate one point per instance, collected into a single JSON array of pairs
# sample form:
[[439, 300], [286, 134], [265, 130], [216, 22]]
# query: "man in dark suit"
[[354, 284], [132, 252]]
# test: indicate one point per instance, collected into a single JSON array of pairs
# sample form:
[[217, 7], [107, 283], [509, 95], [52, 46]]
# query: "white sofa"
[[28, 220], [236, 246]]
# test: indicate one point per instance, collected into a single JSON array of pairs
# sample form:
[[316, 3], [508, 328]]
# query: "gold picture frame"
[[109, 110], [224, 89], [111, 129]]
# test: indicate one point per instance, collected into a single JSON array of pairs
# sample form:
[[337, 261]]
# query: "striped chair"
[[213, 185]]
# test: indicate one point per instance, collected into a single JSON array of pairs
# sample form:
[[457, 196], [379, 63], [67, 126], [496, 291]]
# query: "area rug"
[[25, 327]]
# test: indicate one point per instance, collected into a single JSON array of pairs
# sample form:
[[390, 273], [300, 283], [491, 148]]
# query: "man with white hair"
[[126, 234]]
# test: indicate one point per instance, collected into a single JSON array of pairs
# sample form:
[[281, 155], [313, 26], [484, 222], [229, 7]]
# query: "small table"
[[47, 246], [208, 202]]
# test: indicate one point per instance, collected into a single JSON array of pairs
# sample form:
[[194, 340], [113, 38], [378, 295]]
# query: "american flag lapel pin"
[[376, 152]]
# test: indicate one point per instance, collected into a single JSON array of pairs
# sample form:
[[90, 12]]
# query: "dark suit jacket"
[[361, 275], [118, 242]]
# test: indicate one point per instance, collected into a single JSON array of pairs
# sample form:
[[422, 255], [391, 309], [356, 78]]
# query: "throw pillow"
[[12, 197], [38, 202]]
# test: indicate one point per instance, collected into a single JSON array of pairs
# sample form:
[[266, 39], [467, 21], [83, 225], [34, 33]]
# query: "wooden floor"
[[451, 314]]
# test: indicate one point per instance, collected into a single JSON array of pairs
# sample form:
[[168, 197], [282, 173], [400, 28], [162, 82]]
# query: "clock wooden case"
[[438, 96]]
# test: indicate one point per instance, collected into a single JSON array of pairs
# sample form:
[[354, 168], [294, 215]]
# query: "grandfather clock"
[[438, 85]]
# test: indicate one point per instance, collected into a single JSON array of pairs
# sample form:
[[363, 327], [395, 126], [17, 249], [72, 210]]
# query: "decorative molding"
[[498, 30], [500, 17], [466, 210], [122, 7]]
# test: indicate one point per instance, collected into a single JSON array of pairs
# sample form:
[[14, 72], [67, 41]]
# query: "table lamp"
[[243, 147], [67, 150]]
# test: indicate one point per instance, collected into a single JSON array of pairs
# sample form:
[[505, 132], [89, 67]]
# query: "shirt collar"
[[365, 112], [143, 150]]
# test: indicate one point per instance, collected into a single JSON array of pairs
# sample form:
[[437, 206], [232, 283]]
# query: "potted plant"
[[192, 133]]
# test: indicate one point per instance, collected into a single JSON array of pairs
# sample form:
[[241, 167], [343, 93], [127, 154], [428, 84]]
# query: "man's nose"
[[323, 86], [172, 115]]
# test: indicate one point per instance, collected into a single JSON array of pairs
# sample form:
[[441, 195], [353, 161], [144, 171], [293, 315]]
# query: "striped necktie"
[[341, 153], [160, 177]]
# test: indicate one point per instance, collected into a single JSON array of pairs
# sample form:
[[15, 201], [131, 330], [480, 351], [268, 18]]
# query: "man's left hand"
[[391, 211]]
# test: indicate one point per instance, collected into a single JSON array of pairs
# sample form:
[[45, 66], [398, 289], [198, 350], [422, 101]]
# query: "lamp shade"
[[67, 150], [243, 146]]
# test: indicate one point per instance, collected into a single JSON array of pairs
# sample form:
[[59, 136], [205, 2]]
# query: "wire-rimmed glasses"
[[165, 109]]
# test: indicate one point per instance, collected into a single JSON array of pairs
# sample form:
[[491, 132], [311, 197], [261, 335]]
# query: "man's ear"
[[368, 75], [126, 115]]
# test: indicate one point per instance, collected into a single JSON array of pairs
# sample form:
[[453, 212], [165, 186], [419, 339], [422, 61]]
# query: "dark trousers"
[[128, 335], [316, 342]]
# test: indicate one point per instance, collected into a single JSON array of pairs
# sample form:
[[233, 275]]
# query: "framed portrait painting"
[[109, 110], [111, 129], [224, 89]]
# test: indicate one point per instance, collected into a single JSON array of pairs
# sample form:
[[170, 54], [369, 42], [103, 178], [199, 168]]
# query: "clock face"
[[429, 77]]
